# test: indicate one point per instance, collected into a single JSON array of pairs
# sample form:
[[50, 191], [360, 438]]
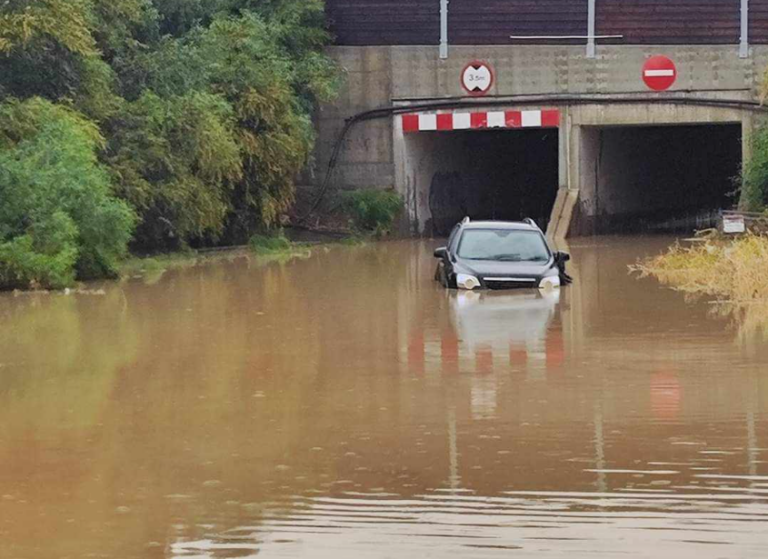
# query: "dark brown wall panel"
[[670, 21], [491, 22], [384, 22], [758, 21]]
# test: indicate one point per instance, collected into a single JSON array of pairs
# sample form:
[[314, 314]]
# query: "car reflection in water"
[[506, 331], [495, 318]]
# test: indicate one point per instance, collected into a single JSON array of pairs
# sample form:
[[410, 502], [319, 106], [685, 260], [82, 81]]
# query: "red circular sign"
[[659, 73], [477, 78]]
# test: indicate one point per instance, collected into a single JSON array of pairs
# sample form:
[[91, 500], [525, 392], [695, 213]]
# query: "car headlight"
[[465, 281], [550, 283]]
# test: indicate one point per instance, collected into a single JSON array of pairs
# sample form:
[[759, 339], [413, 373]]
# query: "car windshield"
[[503, 245]]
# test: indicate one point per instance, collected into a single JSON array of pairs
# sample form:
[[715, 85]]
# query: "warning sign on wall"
[[477, 78]]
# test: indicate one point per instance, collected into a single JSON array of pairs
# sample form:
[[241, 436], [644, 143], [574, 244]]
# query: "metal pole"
[[590, 28], [744, 44], [444, 29]]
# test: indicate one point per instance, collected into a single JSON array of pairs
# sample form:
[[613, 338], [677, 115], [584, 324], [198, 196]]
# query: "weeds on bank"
[[152, 268], [372, 212], [735, 272], [278, 247], [265, 248], [732, 270]]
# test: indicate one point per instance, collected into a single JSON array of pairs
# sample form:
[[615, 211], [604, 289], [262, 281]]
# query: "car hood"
[[492, 268]]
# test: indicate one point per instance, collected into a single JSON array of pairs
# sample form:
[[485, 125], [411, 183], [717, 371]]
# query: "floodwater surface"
[[345, 406]]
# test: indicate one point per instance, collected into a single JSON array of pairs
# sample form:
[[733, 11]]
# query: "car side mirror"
[[563, 257], [441, 252]]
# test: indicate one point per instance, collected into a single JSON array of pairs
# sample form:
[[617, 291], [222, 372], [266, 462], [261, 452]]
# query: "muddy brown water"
[[345, 406]]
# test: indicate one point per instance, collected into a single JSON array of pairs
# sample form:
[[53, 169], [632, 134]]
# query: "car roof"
[[510, 225]]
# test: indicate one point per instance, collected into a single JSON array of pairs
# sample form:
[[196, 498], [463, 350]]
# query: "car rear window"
[[503, 245]]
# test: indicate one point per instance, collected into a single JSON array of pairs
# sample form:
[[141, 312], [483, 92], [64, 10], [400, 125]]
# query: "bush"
[[373, 211], [270, 244], [22, 264], [731, 269], [58, 220]]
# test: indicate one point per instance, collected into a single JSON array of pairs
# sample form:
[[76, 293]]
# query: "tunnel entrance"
[[489, 174], [657, 178]]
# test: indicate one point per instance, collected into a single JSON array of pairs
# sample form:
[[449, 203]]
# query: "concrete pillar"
[[575, 207], [403, 182], [567, 194]]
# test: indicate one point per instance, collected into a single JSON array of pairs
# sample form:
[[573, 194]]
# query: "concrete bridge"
[[568, 132]]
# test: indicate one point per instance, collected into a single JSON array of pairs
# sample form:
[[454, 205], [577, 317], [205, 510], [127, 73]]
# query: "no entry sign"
[[659, 73], [477, 78]]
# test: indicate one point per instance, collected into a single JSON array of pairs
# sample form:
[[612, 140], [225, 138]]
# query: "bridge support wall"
[[379, 154]]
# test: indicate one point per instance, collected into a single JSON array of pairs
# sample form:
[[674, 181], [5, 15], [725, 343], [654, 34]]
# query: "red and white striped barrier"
[[447, 122]]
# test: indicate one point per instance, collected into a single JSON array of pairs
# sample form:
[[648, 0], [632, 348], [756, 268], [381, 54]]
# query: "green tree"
[[59, 219], [204, 105], [272, 87], [175, 159]]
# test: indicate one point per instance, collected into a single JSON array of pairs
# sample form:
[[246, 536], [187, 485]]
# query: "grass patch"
[[278, 247], [139, 265], [265, 249], [152, 268]]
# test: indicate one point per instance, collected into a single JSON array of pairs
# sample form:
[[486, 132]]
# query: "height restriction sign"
[[659, 73], [477, 78]]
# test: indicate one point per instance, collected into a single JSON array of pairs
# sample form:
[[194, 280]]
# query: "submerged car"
[[500, 255]]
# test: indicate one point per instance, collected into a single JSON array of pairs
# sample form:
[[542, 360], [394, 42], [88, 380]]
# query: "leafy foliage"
[[249, 63], [58, 218], [754, 175], [200, 110], [373, 210], [65, 22], [174, 160]]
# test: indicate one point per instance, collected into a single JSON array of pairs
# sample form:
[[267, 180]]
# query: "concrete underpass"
[[656, 178], [594, 169], [506, 175]]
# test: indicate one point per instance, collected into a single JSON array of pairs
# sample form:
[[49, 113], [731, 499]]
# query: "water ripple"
[[579, 524]]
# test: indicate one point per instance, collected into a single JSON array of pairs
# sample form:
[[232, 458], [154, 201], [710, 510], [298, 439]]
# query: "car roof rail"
[[530, 222], [465, 220]]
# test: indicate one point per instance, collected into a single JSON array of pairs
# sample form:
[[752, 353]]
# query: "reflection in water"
[[347, 406]]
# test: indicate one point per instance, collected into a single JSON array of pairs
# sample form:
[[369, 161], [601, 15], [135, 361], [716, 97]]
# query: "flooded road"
[[346, 406]]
